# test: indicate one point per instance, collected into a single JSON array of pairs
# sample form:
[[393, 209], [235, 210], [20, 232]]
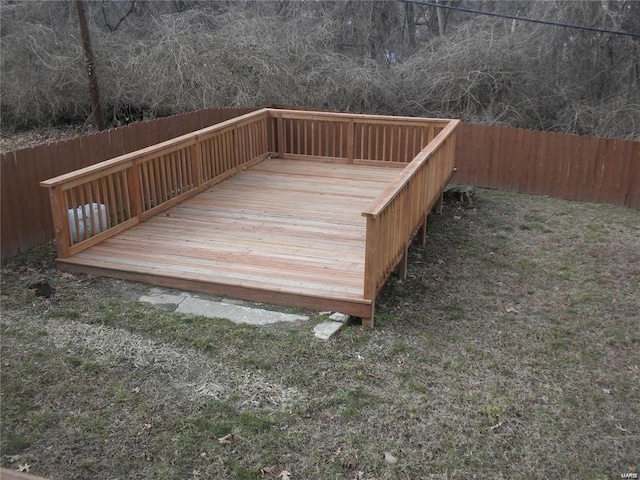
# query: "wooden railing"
[[351, 138], [401, 209], [97, 202], [94, 203], [423, 147]]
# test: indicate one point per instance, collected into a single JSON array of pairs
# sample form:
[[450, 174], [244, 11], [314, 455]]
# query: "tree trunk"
[[88, 61], [411, 23], [441, 19]]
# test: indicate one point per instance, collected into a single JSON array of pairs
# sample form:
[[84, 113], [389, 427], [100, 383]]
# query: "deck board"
[[282, 226]]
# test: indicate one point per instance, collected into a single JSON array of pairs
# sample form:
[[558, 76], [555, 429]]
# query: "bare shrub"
[[41, 73], [173, 57]]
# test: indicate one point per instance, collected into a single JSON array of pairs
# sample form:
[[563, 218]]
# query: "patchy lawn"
[[511, 351]]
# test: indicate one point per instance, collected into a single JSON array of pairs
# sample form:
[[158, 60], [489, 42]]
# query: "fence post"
[[60, 220]]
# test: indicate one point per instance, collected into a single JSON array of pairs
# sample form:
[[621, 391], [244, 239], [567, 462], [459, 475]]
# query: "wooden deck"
[[282, 231], [321, 225]]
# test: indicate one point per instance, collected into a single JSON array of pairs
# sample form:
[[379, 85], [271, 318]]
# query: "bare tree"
[[91, 70]]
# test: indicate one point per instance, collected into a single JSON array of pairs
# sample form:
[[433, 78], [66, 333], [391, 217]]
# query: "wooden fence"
[[565, 166], [573, 167], [25, 211], [116, 194]]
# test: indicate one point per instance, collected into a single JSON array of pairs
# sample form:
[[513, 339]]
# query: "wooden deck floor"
[[283, 231]]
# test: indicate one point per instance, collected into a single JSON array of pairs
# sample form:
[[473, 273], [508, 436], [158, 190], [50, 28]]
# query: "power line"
[[524, 19]]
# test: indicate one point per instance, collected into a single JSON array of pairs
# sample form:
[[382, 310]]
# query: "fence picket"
[[562, 165]]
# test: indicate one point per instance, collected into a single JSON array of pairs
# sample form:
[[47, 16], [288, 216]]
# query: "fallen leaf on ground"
[[511, 310], [389, 458], [227, 439], [272, 470], [24, 468], [351, 464], [284, 475], [496, 426], [145, 428]]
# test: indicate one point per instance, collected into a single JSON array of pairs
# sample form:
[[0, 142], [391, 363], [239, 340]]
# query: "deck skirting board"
[[357, 308]]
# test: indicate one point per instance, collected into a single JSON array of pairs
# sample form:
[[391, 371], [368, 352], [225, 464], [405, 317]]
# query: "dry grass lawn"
[[511, 351]]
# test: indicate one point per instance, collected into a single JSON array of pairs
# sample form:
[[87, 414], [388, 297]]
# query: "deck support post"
[[421, 236], [439, 203], [368, 321], [401, 269]]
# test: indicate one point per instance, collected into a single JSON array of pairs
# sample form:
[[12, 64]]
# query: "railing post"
[[370, 260], [236, 147], [134, 185], [198, 167], [350, 140], [370, 268], [60, 220], [281, 144]]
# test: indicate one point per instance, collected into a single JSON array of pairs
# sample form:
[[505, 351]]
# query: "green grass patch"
[[452, 381]]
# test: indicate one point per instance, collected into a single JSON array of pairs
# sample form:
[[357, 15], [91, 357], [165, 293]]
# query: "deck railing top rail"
[[99, 201], [345, 117], [162, 148], [392, 190]]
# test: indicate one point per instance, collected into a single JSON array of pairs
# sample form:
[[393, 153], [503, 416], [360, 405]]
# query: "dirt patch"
[[510, 351]]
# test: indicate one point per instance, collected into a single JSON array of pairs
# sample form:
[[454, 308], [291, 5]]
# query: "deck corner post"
[[350, 140], [134, 185], [370, 261], [60, 221]]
